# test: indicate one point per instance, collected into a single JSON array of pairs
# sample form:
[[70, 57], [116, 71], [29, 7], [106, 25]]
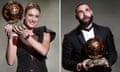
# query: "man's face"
[[84, 14]]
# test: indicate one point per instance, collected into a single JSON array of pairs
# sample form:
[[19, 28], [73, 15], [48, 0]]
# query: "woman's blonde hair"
[[31, 6]]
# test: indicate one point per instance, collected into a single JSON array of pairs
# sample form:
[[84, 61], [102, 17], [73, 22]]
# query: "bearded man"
[[74, 57]]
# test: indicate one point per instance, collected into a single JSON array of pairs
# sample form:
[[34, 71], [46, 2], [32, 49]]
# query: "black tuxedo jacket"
[[73, 47]]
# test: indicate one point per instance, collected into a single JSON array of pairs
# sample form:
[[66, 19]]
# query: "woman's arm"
[[43, 47], [11, 45], [11, 52]]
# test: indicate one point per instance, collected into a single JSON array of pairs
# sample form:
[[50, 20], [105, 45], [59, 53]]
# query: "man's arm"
[[111, 51], [67, 61]]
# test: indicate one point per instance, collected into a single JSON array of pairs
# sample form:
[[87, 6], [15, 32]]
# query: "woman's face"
[[32, 18]]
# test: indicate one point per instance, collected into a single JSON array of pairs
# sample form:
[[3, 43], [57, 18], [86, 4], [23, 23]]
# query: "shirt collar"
[[88, 28]]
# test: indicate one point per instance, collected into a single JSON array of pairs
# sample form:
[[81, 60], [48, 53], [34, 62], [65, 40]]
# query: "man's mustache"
[[86, 17]]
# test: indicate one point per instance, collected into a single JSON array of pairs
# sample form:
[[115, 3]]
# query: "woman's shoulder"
[[41, 29]]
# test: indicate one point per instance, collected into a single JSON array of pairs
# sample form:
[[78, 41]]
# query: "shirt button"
[[31, 70]]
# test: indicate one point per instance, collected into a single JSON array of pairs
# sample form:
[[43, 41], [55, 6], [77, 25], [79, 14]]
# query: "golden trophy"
[[12, 12], [95, 49]]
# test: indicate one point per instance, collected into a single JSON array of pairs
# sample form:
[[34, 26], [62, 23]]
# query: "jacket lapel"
[[96, 32], [81, 38]]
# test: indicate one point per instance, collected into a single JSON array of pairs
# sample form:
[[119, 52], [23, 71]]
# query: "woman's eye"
[[37, 16], [29, 14]]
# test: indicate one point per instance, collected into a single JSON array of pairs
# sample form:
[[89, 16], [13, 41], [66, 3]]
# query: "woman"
[[29, 44]]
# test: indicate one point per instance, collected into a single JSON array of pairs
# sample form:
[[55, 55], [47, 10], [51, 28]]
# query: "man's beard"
[[86, 23]]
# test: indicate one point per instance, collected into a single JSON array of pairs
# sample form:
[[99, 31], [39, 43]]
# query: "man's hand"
[[104, 61], [89, 63], [85, 64]]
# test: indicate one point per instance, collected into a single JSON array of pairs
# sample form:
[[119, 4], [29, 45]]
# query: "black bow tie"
[[88, 28]]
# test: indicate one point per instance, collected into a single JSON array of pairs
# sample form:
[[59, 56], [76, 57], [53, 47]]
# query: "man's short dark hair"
[[81, 3]]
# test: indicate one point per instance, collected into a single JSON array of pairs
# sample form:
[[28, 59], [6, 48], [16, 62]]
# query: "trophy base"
[[95, 62]]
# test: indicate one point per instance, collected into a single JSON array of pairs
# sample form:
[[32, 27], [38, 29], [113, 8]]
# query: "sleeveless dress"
[[30, 60]]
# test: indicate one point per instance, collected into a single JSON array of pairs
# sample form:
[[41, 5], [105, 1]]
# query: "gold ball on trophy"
[[12, 12], [95, 48]]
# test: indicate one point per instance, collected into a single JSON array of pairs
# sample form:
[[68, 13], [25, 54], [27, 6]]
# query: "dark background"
[[106, 13]]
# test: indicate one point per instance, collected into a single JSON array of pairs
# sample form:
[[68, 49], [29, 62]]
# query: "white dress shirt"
[[88, 34]]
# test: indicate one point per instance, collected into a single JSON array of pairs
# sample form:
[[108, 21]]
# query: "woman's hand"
[[21, 30], [8, 31]]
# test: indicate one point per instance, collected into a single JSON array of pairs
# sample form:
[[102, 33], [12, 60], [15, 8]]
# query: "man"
[[74, 57]]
